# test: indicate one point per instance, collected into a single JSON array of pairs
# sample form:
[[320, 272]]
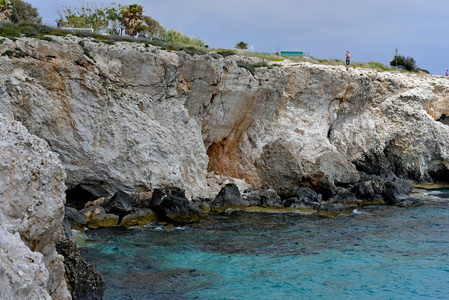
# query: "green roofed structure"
[[292, 53]]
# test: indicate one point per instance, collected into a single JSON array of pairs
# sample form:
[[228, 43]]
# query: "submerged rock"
[[103, 220], [335, 209], [139, 217]]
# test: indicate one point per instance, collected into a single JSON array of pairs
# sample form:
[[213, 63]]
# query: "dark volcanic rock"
[[305, 194], [75, 218], [397, 190], [267, 197], [175, 208], [228, 197], [372, 189], [412, 201], [83, 280], [121, 204]]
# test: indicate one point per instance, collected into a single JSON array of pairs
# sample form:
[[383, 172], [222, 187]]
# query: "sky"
[[371, 29]]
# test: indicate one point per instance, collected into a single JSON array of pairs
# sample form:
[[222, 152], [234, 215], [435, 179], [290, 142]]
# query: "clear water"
[[376, 253]]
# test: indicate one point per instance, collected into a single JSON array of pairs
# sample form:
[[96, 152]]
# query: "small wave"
[[356, 212]]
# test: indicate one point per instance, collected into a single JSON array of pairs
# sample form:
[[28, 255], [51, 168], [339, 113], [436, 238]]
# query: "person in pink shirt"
[[348, 59]]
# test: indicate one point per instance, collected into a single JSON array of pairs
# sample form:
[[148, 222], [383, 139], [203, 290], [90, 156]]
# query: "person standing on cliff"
[[447, 72], [348, 59]]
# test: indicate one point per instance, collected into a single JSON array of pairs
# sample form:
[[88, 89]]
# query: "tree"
[[153, 28], [242, 45], [23, 12], [113, 16], [407, 63], [132, 19], [87, 15], [5, 9]]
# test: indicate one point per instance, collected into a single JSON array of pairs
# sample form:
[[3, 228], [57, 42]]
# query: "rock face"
[[138, 117], [31, 211]]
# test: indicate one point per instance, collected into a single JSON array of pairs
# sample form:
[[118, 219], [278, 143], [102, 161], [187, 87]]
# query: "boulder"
[[228, 197], [306, 195], [121, 204], [75, 218], [372, 189], [177, 209], [103, 220], [267, 197], [397, 190], [139, 217], [92, 211]]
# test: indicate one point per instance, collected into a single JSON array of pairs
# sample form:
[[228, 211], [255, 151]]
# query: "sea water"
[[377, 252]]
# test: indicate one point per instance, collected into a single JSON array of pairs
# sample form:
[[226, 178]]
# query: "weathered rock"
[[23, 274], [139, 117], [121, 204], [92, 211], [372, 190], [267, 197], [335, 209], [344, 196], [103, 220], [397, 190], [139, 217], [228, 197], [411, 201], [84, 281], [75, 218], [306, 195], [31, 212], [279, 166], [176, 209]]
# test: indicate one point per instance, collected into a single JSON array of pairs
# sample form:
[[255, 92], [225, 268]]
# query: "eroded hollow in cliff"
[[444, 119], [78, 196]]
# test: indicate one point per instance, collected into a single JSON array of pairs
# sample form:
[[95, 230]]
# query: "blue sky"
[[370, 29]]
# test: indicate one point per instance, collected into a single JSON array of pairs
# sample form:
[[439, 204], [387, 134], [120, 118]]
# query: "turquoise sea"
[[377, 252]]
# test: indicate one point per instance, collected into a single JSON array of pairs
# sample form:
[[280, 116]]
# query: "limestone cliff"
[[135, 117], [31, 210]]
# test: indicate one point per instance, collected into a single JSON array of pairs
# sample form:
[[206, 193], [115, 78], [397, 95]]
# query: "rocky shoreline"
[[132, 134]]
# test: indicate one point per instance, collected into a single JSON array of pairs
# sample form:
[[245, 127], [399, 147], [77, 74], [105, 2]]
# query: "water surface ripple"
[[377, 253]]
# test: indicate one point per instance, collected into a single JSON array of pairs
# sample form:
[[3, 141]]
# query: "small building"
[[292, 53]]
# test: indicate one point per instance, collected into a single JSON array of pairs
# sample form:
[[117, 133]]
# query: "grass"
[[171, 40], [251, 67]]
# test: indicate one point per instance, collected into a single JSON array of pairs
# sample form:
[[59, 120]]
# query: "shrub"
[[398, 60], [8, 53], [410, 64], [226, 53], [251, 67], [9, 32], [29, 31], [46, 38]]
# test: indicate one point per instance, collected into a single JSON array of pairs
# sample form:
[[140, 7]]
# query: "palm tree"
[[132, 18], [242, 45], [5, 9]]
